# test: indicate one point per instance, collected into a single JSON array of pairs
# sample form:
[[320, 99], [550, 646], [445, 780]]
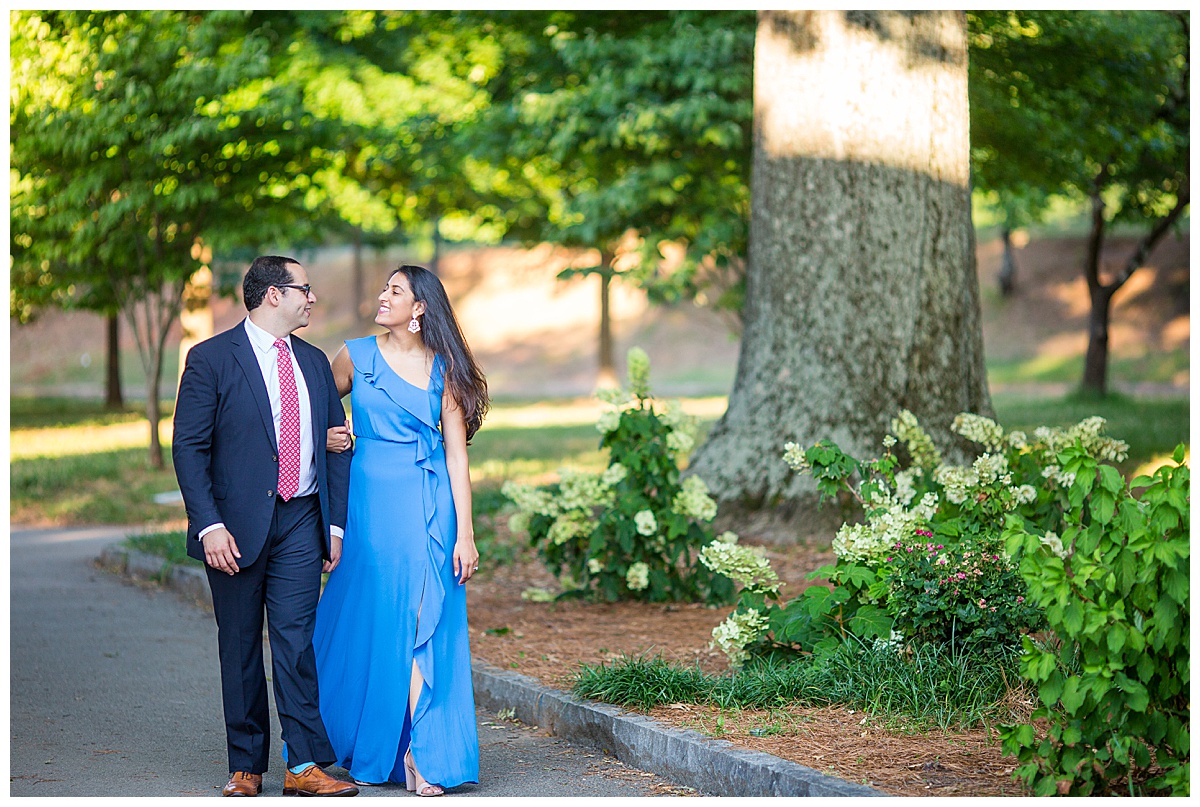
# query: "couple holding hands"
[[373, 674]]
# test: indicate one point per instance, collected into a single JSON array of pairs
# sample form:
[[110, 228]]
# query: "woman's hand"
[[466, 559], [337, 439]]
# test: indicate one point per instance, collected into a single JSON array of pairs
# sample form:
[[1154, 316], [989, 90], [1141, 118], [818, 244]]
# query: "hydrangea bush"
[[927, 563], [633, 531]]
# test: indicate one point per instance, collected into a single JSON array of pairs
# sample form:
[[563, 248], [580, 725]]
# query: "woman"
[[393, 662]]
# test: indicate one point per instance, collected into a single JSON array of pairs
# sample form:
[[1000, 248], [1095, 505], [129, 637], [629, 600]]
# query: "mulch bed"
[[549, 642]]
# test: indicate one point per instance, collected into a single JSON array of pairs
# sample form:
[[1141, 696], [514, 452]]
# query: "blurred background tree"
[[1093, 105]]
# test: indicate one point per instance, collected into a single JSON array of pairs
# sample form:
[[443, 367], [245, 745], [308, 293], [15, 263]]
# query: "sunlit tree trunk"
[[607, 371], [861, 294]]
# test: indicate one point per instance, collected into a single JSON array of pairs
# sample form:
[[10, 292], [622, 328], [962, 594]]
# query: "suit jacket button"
[[270, 493], [274, 458]]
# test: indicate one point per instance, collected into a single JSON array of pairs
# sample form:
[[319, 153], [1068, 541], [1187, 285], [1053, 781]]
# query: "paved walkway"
[[115, 691]]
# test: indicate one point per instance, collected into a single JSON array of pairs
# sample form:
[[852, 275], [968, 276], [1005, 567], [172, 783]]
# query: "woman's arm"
[[337, 438], [454, 434]]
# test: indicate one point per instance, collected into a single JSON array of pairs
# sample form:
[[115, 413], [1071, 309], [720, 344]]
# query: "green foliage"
[[926, 688], [926, 565], [642, 121], [959, 597], [633, 531], [1115, 690], [1043, 122]]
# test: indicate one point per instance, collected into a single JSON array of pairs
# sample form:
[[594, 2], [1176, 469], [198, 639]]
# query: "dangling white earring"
[[414, 325]]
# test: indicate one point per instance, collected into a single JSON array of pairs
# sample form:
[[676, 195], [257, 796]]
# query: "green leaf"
[[1111, 479], [870, 621], [1072, 698], [1137, 698]]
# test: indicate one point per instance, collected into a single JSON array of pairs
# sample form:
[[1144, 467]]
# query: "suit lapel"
[[312, 381], [243, 351]]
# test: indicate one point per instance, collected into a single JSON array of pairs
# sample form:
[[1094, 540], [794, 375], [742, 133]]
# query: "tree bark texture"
[[861, 295], [113, 399]]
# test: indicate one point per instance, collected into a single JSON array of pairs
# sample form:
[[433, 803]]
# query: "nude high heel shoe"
[[414, 782]]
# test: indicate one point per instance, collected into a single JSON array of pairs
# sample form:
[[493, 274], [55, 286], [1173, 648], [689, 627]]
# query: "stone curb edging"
[[712, 767], [189, 581]]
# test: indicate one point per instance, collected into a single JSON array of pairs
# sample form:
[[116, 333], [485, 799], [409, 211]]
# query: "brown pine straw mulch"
[[549, 642]]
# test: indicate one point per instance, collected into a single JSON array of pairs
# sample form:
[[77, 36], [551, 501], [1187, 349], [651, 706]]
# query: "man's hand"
[[335, 554], [337, 439], [221, 551]]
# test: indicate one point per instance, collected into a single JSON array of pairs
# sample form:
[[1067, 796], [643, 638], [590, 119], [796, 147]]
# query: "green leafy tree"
[[641, 124], [1094, 105], [166, 136]]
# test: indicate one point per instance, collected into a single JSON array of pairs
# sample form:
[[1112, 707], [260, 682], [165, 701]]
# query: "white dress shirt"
[[268, 362]]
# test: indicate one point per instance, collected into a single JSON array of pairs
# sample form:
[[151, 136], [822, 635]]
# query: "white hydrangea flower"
[[1025, 494], [673, 417], [608, 421], [614, 474], [888, 441], [638, 576], [638, 365], [729, 537], [924, 453], [531, 500], [979, 429], [1017, 440], [736, 633], [579, 490], [905, 491], [693, 500], [680, 442], [748, 566], [793, 455], [595, 566], [566, 527], [646, 523], [956, 481], [1054, 544], [990, 468], [613, 396], [872, 540]]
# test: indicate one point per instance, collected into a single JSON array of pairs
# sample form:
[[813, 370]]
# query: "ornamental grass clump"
[[635, 530]]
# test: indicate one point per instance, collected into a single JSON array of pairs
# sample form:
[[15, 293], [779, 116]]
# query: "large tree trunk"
[[861, 294], [113, 399]]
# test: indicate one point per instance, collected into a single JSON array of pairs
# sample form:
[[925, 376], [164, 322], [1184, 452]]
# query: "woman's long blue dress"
[[394, 597]]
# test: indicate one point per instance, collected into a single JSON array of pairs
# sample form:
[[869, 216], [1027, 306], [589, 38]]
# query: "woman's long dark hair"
[[442, 334]]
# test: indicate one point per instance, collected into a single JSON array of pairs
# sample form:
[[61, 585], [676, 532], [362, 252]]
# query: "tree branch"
[[1148, 243]]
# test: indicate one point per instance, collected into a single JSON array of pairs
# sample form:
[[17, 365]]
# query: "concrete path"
[[115, 691]]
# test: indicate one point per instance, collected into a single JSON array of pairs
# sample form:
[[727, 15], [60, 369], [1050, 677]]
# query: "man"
[[266, 507]]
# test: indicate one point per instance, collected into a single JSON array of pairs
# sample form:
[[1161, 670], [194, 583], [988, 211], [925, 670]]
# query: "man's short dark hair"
[[266, 271]]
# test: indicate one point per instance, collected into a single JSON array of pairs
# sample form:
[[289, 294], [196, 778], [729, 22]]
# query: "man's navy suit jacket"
[[224, 448]]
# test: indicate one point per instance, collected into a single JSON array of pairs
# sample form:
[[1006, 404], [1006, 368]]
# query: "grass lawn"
[[73, 463]]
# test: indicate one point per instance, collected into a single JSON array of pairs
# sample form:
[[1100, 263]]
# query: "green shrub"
[[633, 531], [951, 517], [961, 596], [1115, 692]]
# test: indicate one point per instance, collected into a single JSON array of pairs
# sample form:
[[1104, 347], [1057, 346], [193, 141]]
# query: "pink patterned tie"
[[289, 424]]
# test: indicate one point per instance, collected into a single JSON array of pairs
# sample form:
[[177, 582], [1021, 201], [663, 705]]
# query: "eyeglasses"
[[306, 288]]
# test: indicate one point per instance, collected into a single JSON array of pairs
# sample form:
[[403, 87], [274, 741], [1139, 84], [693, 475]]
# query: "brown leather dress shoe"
[[243, 784], [313, 781]]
